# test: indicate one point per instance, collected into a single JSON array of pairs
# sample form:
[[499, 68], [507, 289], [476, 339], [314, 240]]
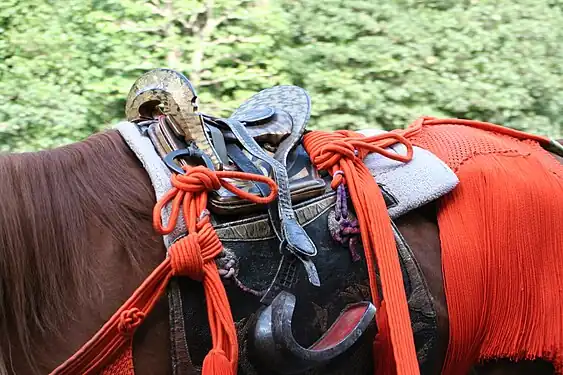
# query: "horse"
[[77, 239]]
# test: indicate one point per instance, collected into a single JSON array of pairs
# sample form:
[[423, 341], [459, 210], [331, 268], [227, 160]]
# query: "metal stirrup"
[[274, 341]]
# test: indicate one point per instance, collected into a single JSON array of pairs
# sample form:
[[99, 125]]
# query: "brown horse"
[[76, 239]]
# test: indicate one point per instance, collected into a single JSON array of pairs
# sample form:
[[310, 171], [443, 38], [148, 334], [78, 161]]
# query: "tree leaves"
[[65, 70], [494, 61]]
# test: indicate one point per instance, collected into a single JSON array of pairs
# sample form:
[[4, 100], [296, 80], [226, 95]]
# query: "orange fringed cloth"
[[123, 363], [501, 232]]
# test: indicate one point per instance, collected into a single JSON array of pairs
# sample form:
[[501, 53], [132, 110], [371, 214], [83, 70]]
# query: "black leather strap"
[[179, 352], [292, 236], [246, 165]]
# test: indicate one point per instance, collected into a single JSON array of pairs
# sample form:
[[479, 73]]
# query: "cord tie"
[[196, 180], [331, 153], [129, 320], [186, 258], [342, 153]]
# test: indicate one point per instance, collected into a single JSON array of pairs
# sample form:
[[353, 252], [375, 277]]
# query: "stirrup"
[[274, 342]]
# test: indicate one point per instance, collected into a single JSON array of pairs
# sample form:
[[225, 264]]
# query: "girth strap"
[[181, 360]]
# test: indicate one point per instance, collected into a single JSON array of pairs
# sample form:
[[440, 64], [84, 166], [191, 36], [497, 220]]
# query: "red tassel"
[[216, 363], [382, 347]]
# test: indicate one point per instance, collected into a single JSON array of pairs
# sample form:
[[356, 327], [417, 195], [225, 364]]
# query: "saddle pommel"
[[170, 93]]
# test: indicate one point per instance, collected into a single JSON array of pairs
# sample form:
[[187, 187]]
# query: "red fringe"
[[501, 232]]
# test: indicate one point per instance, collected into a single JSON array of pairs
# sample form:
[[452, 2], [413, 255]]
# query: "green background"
[[67, 66]]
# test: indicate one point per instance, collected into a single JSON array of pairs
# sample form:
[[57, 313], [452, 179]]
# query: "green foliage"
[[65, 70], [372, 64]]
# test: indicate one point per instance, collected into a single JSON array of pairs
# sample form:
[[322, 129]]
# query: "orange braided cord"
[[344, 151], [416, 127], [192, 256]]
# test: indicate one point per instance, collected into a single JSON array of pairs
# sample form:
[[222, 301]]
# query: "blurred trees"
[[66, 68]]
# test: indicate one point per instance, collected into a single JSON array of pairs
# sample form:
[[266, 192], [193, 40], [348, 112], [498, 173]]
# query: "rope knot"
[[331, 153], [130, 320], [186, 258], [197, 180], [361, 148]]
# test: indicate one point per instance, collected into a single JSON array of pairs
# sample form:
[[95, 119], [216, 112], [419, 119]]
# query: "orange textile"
[[123, 364], [341, 153], [501, 232]]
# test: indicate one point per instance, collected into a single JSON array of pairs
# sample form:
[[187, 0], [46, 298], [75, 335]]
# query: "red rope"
[[416, 127], [344, 151], [192, 256]]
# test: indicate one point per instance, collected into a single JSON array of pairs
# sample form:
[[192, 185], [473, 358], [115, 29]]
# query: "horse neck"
[[76, 239]]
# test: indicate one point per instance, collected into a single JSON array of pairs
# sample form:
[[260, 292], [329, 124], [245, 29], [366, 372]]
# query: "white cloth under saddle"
[[158, 172], [413, 184]]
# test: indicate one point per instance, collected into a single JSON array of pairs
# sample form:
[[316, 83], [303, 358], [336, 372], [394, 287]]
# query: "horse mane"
[[49, 202]]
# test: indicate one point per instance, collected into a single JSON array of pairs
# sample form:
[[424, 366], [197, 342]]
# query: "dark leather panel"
[[342, 282]]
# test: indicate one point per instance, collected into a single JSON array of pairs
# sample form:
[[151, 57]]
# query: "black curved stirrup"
[[274, 341]]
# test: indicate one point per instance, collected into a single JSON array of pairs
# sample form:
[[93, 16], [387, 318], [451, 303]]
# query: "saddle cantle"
[[164, 92]]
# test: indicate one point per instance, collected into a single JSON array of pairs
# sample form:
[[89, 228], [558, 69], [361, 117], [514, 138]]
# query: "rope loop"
[[355, 147], [190, 188]]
